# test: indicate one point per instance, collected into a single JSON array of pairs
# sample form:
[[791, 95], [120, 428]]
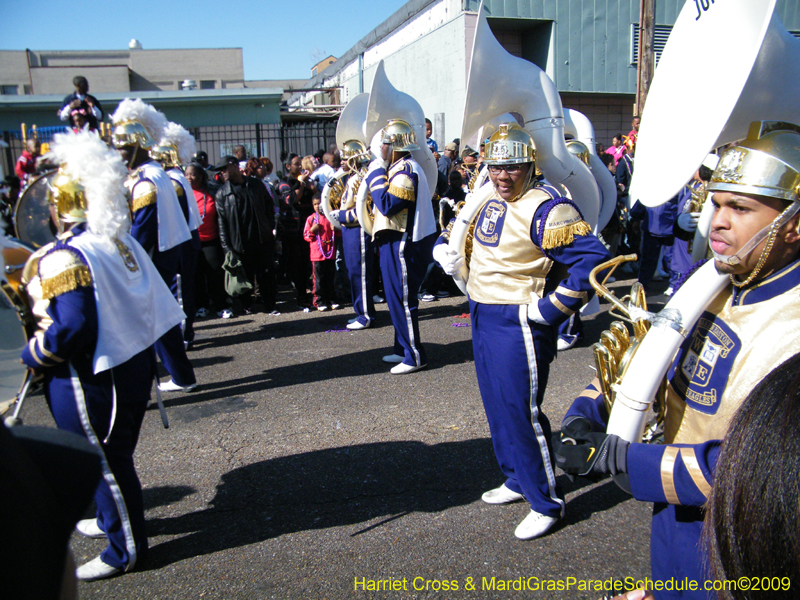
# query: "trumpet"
[[695, 204], [615, 350]]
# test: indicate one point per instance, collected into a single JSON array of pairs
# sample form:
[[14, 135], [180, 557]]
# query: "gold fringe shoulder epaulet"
[[561, 222], [62, 271], [178, 188], [401, 184], [143, 194]]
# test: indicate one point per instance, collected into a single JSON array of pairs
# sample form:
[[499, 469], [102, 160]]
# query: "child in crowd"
[[319, 233]]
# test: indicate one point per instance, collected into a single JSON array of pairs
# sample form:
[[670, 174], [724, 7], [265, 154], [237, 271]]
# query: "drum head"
[[32, 213]]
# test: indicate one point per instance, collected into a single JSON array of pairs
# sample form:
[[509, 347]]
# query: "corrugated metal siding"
[[592, 38]]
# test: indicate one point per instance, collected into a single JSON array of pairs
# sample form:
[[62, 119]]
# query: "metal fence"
[[273, 141]]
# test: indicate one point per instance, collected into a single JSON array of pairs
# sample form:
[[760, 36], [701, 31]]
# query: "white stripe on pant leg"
[[409, 324], [363, 243], [116, 492], [530, 350]]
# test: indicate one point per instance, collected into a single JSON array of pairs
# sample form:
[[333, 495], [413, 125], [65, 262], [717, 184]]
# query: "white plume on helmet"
[[100, 170], [178, 136], [136, 110]]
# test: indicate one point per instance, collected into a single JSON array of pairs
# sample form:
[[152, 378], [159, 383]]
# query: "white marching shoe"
[[534, 525], [501, 495], [96, 569], [356, 325], [89, 528], [171, 386], [403, 368]]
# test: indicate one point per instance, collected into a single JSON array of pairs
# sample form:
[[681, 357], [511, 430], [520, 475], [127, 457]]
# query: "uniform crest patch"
[[490, 223]]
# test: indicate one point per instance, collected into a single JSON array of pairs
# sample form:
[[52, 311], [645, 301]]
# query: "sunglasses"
[[496, 169]]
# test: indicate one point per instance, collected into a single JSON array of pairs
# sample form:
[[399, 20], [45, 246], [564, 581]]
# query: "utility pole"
[[646, 60]]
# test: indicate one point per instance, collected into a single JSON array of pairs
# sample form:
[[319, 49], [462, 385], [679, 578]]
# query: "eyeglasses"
[[496, 169]]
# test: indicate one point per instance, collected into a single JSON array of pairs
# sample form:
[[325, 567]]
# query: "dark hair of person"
[[428, 122], [202, 175], [267, 164], [705, 173], [607, 159], [79, 79], [752, 522], [289, 158], [251, 166]]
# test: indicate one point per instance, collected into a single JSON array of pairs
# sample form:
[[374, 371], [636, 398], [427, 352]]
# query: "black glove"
[[589, 452]]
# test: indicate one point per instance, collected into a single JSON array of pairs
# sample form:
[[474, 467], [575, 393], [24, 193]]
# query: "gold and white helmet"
[[509, 145], [400, 136], [766, 163]]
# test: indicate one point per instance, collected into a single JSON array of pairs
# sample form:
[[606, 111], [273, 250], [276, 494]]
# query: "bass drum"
[[32, 221], [16, 321]]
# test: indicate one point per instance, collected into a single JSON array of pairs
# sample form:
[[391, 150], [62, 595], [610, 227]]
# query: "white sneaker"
[[565, 345], [89, 528], [171, 386], [393, 359], [669, 291], [355, 326], [534, 525], [95, 569], [225, 314], [427, 297], [378, 299], [403, 368], [322, 308], [201, 313], [501, 495], [335, 306]]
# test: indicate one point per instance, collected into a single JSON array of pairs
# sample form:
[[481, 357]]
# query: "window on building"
[[208, 84], [8, 90], [660, 36]]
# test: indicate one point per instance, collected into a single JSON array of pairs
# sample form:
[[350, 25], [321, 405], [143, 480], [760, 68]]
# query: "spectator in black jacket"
[[246, 221], [81, 98]]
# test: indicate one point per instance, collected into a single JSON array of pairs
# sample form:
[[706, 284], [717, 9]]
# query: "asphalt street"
[[301, 468]]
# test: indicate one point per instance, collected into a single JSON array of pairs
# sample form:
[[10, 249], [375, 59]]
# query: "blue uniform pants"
[[512, 361], [403, 266], [83, 403], [359, 258]]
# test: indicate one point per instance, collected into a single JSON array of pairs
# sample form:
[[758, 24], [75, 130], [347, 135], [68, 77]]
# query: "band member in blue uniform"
[[526, 236], [357, 245], [158, 223], [106, 305], [748, 328], [176, 148], [405, 231]]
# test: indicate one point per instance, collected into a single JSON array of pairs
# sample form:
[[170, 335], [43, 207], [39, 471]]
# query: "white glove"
[[688, 221], [377, 163], [450, 260], [533, 311]]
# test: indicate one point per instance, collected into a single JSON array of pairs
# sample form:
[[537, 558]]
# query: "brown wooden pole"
[[646, 62]]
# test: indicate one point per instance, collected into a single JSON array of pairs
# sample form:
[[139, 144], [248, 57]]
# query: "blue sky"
[[280, 40]]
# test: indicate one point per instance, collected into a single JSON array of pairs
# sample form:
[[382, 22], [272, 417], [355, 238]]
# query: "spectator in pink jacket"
[[319, 233]]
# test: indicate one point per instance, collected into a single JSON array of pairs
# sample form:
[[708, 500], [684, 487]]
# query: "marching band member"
[[526, 235], [752, 325], [158, 221], [106, 305], [176, 148], [404, 230], [357, 245]]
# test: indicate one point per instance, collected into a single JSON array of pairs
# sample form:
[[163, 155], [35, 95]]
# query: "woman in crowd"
[[617, 148], [209, 279]]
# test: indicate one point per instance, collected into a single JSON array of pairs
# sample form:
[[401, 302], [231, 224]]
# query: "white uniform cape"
[[134, 305], [172, 227], [194, 211], [424, 221]]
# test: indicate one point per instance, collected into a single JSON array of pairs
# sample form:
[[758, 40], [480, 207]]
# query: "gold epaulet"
[[400, 183], [144, 194], [562, 223], [62, 271], [31, 268], [178, 188]]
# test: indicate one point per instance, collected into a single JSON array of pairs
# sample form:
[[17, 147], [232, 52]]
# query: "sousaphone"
[[499, 83], [349, 128], [762, 81], [387, 102]]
